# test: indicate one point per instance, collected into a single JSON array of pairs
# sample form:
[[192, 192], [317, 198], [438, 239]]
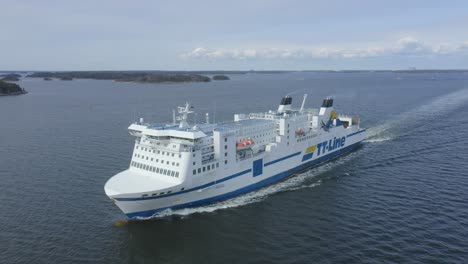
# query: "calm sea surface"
[[401, 198]]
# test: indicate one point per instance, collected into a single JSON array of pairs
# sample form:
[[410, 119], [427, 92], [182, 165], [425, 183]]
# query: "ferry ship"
[[180, 165]]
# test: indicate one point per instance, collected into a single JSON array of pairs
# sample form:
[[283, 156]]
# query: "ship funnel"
[[327, 107], [327, 102], [285, 104]]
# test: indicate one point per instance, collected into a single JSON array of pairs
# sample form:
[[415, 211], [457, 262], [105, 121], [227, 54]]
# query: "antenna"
[[303, 102], [184, 111], [207, 118], [173, 117]]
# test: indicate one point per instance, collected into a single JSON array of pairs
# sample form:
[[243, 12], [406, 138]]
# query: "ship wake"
[[438, 107]]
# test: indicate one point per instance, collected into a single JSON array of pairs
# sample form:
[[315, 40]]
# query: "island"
[[221, 78], [47, 79], [12, 77], [126, 76], [10, 89]]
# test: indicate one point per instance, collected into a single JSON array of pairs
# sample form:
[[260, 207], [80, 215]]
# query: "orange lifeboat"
[[245, 143]]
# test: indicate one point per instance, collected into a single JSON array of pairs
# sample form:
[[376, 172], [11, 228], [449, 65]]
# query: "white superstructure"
[[182, 165]]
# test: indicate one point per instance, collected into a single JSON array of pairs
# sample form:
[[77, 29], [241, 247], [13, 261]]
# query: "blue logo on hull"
[[330, 145]]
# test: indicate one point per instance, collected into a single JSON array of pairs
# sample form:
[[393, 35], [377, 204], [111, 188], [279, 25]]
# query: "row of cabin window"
[[304, 138], [155, 169], [159, 152], [157, 160], [207, 168]]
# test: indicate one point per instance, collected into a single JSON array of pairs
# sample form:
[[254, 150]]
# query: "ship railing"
[[264, 116]]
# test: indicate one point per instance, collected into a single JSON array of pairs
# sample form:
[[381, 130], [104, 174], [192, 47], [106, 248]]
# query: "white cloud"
[[408, 46]]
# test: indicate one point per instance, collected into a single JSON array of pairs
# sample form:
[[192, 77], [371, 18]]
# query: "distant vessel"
[[180, 165]]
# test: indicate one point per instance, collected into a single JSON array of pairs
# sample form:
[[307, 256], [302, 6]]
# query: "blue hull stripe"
[[251, 187], [188, 190], [283, 158], [307, 156], [355, 133]]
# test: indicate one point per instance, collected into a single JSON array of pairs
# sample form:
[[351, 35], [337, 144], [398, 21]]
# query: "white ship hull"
[[240, 180]]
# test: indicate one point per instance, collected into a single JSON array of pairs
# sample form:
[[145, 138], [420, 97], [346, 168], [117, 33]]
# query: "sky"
[[233, 35]]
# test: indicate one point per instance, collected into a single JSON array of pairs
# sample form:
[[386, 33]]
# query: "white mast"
[[303, 102]]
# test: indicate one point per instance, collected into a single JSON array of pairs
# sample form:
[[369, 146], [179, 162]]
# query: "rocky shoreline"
[[10, 89]]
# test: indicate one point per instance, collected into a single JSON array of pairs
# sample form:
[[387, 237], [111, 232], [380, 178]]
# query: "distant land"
[[220, 78], [185, 76], [11, 77], [125, 76], [10, 89], [191, 76]]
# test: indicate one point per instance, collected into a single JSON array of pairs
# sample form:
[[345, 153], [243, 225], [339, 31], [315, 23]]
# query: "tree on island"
[[10, 89], [126, 76]]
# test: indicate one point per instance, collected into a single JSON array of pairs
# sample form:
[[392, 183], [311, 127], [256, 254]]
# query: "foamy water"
[[434, 109]]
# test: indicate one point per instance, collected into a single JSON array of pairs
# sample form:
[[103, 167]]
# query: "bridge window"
[[199, 170], [194, 172]]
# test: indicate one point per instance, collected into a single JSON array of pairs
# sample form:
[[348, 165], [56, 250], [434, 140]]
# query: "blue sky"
[[233, 35]]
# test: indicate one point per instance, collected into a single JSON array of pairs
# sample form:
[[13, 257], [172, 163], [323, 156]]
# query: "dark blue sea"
[[400, 198]]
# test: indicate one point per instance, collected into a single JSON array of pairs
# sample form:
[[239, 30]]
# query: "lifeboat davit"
[[246, 143]]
